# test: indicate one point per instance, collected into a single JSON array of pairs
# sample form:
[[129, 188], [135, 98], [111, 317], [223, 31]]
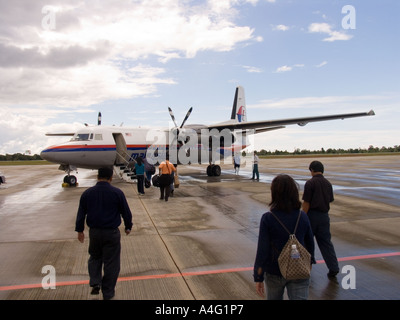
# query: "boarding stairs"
[[125, 170]]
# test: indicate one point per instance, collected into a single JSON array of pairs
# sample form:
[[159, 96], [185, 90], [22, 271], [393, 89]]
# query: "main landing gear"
[[213, 170]]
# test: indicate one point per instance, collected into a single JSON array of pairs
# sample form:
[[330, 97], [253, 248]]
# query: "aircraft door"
[[122, 156]]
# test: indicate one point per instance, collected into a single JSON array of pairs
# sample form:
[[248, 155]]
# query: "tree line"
[[369, 150], [262, 152], [19, 157]]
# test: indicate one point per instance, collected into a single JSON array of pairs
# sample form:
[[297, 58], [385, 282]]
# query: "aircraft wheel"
[[213, 170], [70, 180], [216, 170], [73, 181]]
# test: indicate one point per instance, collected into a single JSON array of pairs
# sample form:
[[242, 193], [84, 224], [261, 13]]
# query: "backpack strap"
[[284, 227]]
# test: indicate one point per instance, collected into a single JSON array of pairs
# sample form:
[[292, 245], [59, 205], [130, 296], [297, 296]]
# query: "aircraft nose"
[[43, 155], [46, 155]]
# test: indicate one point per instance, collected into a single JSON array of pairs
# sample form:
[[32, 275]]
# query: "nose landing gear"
[[70, 181]]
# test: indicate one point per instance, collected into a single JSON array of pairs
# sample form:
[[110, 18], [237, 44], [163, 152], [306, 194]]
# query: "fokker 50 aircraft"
[[93, 147]]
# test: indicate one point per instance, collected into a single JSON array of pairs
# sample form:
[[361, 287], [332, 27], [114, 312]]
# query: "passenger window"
[[98, 136]]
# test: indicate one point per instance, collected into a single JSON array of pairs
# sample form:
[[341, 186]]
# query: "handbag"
[[156, 180], [176, 181], [298, 267]]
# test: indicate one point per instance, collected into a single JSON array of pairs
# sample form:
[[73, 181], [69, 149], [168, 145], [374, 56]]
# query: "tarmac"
[[201, 244]]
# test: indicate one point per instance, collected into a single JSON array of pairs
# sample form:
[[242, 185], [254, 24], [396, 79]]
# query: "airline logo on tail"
[[241, 114]]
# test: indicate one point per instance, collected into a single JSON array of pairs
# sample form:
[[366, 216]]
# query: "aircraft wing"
[[262, 126]]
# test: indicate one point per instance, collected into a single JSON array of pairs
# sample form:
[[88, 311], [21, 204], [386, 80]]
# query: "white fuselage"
[[98, 146]]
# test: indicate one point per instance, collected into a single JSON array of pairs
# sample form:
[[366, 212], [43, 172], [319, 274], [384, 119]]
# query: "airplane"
[[93, 147]]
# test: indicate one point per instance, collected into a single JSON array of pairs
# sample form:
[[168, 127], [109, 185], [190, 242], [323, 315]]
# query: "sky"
[[61, 62]]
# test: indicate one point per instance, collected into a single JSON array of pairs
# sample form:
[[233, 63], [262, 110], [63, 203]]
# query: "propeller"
[[98, 120], [177, 130], [184, 120], [187, 116]]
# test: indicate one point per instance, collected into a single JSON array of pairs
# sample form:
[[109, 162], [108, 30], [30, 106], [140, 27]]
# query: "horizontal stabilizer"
[[61, 134]]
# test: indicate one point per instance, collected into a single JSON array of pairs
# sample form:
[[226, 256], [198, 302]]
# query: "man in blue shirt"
[[102, 206]]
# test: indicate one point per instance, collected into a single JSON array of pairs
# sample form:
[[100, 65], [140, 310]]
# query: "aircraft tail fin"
[[239, 112]]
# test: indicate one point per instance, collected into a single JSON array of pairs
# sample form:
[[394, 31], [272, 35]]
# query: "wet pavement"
[[200, 244]]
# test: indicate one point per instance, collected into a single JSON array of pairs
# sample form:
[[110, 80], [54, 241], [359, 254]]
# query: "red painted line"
[[186, 274]]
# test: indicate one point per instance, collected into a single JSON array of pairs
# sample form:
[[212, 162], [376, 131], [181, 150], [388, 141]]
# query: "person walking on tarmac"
[[318, 194], [166, 168], [140, 168], [285, 205], [102, 206], [255, 167]]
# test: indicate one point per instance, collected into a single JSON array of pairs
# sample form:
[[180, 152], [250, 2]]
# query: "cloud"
[[323, 63], [283, 69], [281, 27], [327, 29], [97, 53], [76, 87], [56, 57], [251, 69], [286, 68]]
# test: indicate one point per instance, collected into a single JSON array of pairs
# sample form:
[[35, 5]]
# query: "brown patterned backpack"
[[294, 264]]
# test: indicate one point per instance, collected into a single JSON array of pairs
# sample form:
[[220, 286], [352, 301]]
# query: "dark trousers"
[[105, 251], [255, 171], [140, 183], [165, 182], [320, 225]]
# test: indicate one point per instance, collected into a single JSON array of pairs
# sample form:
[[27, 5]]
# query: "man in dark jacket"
[[102, 206], [318, 194]]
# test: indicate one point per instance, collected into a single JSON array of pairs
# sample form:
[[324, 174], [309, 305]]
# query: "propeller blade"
[[99, 119], [187, 116], [172, 116]]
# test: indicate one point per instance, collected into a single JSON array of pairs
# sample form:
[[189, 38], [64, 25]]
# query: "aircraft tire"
[[73, 181], [216, 170], [70, 180]]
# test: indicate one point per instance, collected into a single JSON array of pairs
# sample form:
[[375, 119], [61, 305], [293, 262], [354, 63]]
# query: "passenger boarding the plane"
[[166, 169]]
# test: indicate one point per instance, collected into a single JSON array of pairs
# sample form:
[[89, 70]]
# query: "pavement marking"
[[186, 274]]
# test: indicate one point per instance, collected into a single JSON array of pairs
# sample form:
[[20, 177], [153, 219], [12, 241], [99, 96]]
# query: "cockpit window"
[[82, 137]]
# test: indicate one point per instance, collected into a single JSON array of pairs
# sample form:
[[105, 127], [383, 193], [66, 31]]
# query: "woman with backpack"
[[285, 211]]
